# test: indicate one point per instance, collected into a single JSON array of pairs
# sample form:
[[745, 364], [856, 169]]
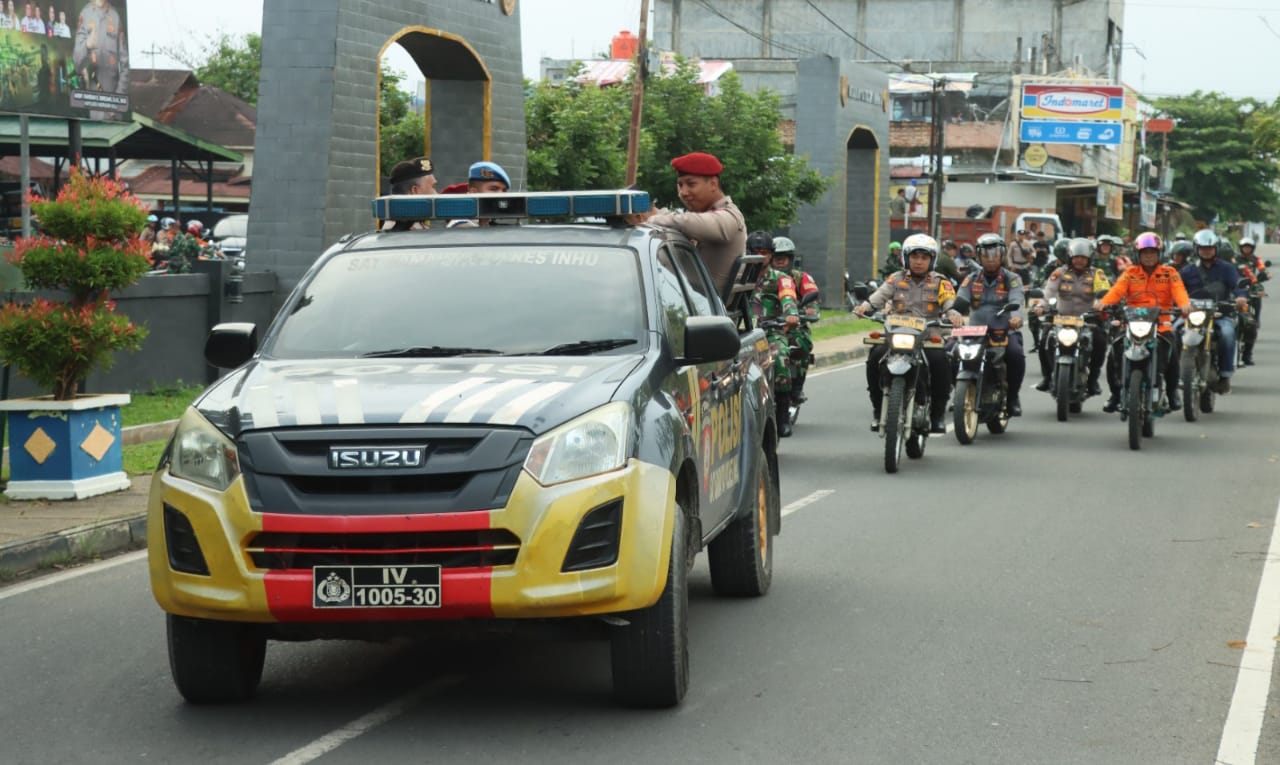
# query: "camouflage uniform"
[[775, 298], [802, 337]]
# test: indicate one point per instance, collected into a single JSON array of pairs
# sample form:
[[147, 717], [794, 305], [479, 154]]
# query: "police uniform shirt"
[[1076, 291], [927, 296], [99, 29], [720, 234]]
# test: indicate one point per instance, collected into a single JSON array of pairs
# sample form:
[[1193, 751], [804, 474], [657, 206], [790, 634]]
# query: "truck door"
[[719, 444]]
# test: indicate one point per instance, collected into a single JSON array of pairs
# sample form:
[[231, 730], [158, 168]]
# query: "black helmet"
[[967, 248], [1061, 248], [760, 240], [1078, 247], [1181, 247]]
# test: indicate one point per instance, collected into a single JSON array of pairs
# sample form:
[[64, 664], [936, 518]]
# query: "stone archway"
[[316, 149], [458, 117], [862, 242]]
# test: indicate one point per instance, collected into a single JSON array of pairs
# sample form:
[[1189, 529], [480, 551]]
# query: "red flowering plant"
[[89, 247]]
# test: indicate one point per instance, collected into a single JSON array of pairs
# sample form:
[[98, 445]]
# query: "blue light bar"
[[535, 204]]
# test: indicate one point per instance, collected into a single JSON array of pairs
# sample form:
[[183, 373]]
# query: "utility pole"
[[937, 149], [637, 95]]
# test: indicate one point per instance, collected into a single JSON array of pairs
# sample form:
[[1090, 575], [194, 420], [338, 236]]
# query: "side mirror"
[[708, 339], [1267, 263], [232, 344], [811, 298], [1243, 282], [1035, 292], [861, 291]]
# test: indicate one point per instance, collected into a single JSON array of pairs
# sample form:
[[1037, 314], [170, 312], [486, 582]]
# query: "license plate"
[[375, 587], [906, 322], [969, 330], [1068, 321]]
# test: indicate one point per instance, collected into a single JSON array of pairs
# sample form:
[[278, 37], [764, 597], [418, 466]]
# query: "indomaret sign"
[[1072, 102]]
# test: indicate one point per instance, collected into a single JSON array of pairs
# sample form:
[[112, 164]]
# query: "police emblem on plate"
[[333, 590]]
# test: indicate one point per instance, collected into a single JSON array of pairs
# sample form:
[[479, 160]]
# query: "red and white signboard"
[[1072, 102]]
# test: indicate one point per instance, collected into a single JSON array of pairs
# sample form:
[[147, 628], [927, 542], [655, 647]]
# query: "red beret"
[[697, 163], [455, 188]]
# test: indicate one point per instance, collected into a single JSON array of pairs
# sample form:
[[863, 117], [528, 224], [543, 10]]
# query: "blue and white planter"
[[65, 449]]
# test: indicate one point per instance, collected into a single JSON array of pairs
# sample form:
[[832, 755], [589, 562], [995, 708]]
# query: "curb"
[[78, 544], [835, 358]]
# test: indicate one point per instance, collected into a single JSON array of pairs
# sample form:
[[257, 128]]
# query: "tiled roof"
[[155, 182], [176, 97]]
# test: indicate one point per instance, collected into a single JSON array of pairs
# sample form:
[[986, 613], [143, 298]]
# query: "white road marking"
[[75, 573], [804, 502], [1243, 729], [833, 370], [327, 743]]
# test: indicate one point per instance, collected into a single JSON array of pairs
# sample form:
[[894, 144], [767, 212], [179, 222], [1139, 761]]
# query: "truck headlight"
[[594, 443], [1196, 318], [1141, 328], [1068, 336], [201, 453], [903, 341]]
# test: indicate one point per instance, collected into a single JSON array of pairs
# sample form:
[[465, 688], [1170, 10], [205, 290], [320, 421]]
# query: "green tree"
[[233, 64], [403, 132], [578, 139], [1223, 151]]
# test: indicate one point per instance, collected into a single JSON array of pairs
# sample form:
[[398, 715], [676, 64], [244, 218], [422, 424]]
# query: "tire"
[[915, 445], [1189, 411], [215, 662], [1206, 401], [650, 655], [999, 423], [1136, 397], [741, 557], [1062, 391], [895, 424], [964, 414]]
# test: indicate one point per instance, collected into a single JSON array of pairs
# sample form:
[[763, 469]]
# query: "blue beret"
[[488, 171]]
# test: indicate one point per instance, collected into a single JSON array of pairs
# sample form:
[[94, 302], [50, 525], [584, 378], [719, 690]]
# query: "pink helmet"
[[1147, 241]]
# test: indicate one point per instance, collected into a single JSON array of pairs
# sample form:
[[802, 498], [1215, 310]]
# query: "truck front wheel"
[[215, 662], [650, 654]]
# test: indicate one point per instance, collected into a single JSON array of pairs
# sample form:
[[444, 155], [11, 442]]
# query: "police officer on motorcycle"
[[1215, 278], [785, 260], [918, 290], [1075, 286], [986, 292]]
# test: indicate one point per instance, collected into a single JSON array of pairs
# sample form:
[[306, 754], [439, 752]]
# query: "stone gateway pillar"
[[316, 151]]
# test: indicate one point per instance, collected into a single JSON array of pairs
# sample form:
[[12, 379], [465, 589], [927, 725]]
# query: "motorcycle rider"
[[1075, 285], [986, 292], [918, 290], [775, 297], [785, 260], [967, 260], [891, 263], [1139, 285], [1215, 278], [1180, 254], [1259, 267], [947, 263]]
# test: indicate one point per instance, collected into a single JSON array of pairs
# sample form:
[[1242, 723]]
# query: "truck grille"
[[449, 549], [465, 469]]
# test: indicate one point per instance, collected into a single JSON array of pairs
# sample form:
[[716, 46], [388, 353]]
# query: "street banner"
[[1072, 102], [1057, 131], [65, 58]]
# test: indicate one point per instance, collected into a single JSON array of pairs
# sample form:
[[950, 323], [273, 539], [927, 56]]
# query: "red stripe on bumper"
[[373, 524]]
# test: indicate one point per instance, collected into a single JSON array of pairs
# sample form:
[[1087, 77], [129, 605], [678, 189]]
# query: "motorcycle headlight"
[[969, 351], [201, 453], [903, 341], [1197, 318], [1141, 328], [1068, 336], [594, 443]]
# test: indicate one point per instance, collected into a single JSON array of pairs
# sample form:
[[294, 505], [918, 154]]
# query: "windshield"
[[467, 301]]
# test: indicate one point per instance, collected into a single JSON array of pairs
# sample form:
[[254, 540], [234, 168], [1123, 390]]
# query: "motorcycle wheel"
[[895, 424], [915, 445], [1136, 395], [1062, 391], [1189, 402], [1206, 400], [964, 411], [999, 423]]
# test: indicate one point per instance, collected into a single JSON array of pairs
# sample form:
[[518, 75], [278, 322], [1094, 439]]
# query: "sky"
[[1172, 46]]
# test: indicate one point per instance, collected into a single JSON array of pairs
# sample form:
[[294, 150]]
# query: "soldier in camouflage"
[[775, 298], [786, 260]]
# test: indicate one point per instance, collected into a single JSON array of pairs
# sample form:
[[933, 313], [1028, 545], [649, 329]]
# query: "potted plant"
[[66, 445]]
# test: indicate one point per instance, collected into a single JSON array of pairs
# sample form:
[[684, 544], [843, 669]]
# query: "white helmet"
[[920, 242], [1247, 242], [783, 246]]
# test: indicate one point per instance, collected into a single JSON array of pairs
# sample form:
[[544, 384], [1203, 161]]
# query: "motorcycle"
[[1199, 368], [800, 359], [1072, 348], [1142, 396], [981, 385], [904, 378]]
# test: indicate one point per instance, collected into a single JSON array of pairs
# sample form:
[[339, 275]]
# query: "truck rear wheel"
[[741, 557], [215, 662], [650, 655]]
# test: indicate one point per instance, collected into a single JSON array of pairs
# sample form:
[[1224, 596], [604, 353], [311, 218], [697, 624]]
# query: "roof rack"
[[531, 204]]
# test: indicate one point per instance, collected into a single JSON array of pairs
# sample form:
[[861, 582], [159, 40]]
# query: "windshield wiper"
[[436, 351], [586, 346]]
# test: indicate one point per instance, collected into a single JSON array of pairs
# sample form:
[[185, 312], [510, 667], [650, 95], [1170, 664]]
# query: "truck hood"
[[531, 392]]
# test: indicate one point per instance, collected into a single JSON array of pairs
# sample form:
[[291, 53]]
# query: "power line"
[[846, 32], [756, 35]]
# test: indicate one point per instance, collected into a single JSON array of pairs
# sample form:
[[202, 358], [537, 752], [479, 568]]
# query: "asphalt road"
[[1044, 596]]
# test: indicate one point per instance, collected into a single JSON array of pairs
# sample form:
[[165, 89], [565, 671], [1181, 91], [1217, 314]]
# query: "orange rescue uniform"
[[1163, 287]]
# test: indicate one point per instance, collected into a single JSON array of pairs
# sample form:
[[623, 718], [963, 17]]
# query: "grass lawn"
[[837, 322]]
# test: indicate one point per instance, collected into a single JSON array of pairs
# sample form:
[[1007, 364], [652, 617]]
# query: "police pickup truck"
[[473, 429]]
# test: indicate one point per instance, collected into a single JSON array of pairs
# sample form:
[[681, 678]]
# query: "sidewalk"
[[39, 534]]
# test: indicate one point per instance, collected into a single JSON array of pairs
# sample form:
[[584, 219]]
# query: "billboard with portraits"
[[64, 58]]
